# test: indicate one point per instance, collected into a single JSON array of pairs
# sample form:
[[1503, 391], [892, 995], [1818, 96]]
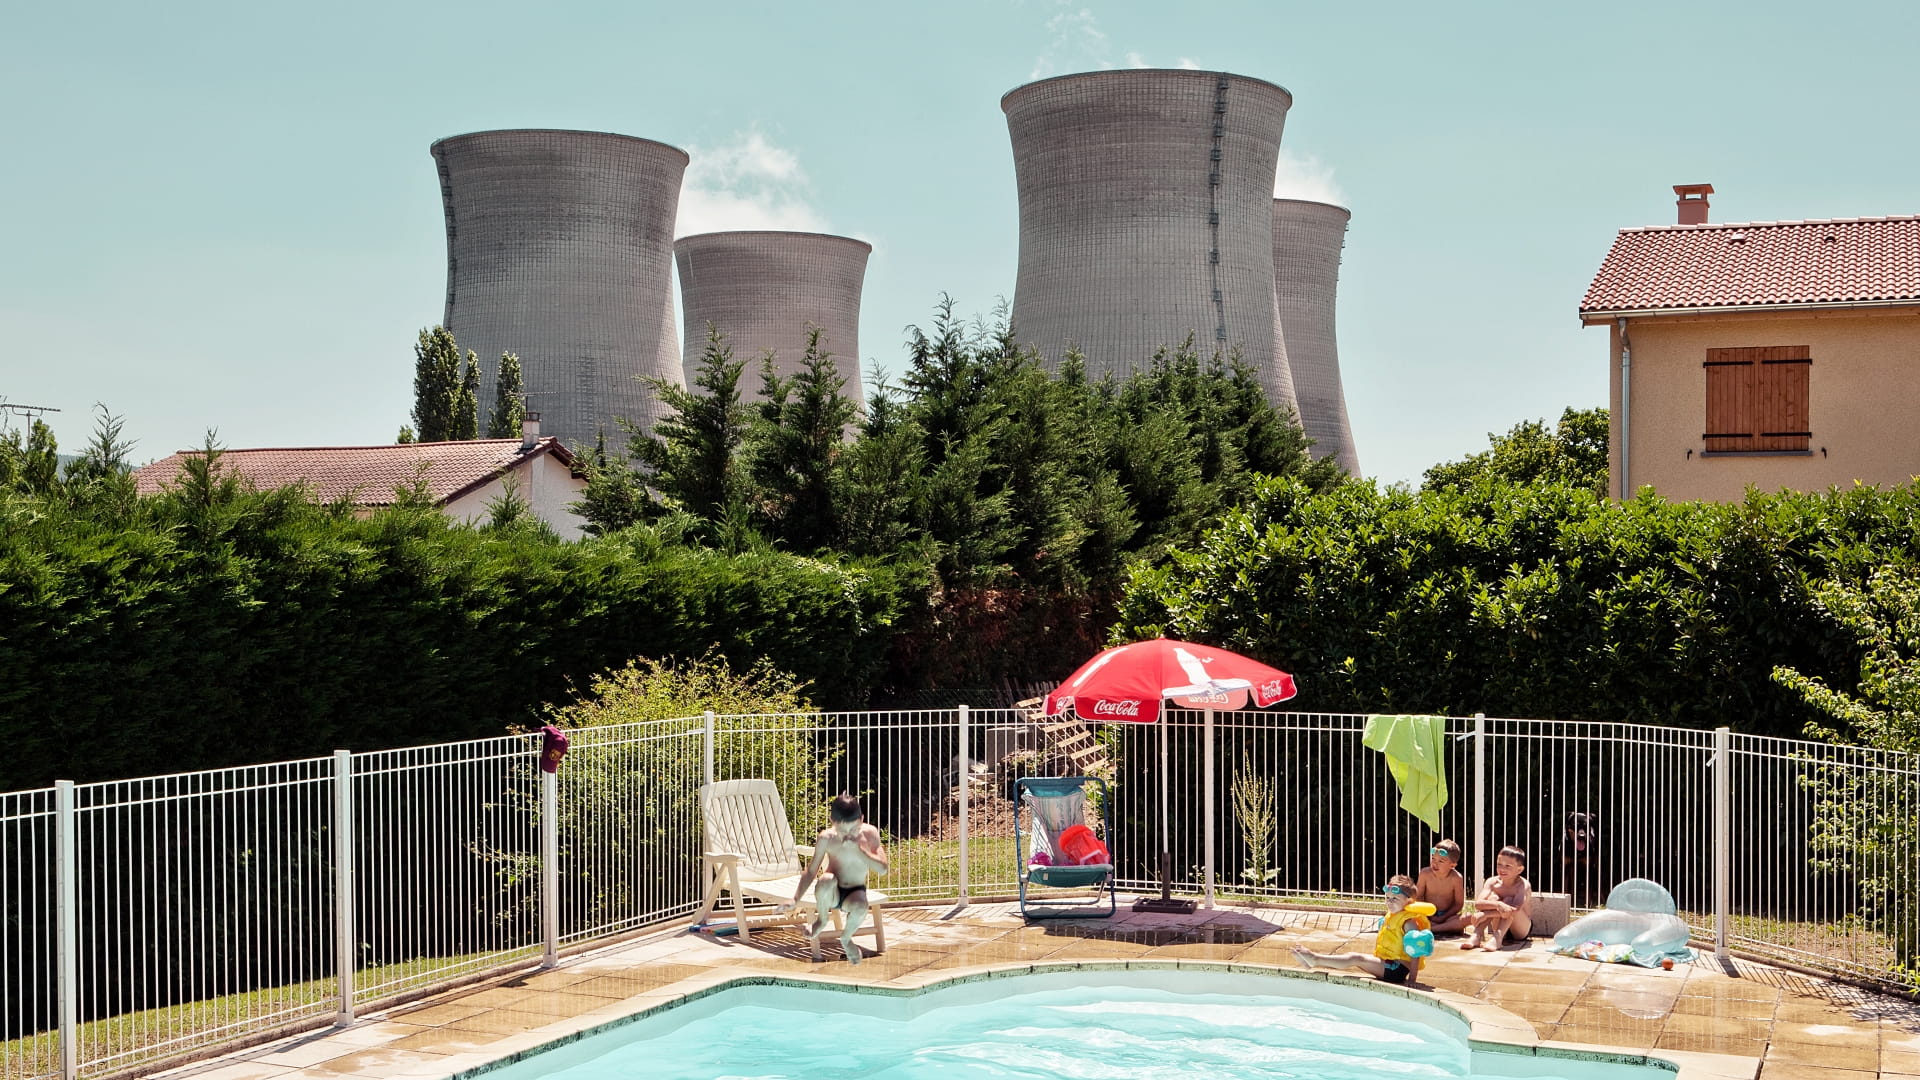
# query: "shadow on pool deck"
[[1790, 1025]]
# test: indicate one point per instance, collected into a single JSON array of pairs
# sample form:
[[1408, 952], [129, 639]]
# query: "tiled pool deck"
[[1757, 1021]]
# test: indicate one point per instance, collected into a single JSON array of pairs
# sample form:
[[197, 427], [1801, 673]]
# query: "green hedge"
[[1532, 600], [271, 628]]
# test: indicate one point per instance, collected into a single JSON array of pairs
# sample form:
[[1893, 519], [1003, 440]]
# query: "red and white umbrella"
[[1129, 682]]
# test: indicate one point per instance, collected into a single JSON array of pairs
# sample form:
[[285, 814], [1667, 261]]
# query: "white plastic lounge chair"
[[751, 853], [1052, 805]]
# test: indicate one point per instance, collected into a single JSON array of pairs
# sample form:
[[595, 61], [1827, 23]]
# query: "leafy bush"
[[214, 625], [1531, 600]]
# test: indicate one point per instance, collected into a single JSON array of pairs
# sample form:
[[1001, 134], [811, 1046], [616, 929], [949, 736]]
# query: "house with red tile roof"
[[1771, 354], [462, 478]]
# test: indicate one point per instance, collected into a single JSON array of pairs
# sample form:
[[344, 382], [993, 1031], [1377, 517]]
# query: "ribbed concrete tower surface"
[[1307, 239], [560, 249], [762, 289], [1146, 213]]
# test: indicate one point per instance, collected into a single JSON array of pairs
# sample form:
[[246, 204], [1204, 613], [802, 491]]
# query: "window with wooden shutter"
[[1757, 399]]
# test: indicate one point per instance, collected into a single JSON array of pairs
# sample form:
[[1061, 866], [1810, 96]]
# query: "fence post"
[[966, 770], [550, 868], [1207, 814], [66, 897], [1479, 802], [707, 746], [343, 934], [1722, 835]]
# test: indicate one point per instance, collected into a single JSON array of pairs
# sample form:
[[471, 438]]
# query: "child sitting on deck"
[[1442, 886], [1500, 914], [1390, 961]]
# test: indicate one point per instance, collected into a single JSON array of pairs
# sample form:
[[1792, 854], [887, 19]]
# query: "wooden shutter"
[[1757, 398]]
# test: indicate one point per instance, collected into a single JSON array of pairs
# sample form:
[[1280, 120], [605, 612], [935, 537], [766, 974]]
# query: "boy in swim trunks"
[[847, 852], [1389, 962], [1500, 914], [1442, 886]]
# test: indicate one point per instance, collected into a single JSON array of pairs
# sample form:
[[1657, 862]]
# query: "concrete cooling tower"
[[761, 289], [1146, 214], [560, 249], [1307, 238]]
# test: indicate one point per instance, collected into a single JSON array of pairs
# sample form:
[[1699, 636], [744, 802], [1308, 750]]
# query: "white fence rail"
[[142, 920]]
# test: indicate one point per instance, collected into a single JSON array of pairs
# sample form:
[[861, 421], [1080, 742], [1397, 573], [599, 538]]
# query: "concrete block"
[[1550, 912]]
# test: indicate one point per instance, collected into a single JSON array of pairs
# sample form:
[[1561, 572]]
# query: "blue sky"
[[225, 215]]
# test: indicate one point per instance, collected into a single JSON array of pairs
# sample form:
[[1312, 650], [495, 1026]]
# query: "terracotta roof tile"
[[1759, 264], [367, 475]]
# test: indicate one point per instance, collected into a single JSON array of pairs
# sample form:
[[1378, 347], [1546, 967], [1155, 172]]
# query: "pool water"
[[1156, 1025]]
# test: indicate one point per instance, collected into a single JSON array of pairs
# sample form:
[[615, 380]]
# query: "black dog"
[[1580, 869]]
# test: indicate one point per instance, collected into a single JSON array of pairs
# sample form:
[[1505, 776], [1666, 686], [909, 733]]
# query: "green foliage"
[[1865, 819], [1256, 809], [1574, 453], [614, 498], [436, 385], [1535, 600], [31, 467], [692, 455], [509, 400], [793, 444], [639, 723], [218, 625], [466, 402]]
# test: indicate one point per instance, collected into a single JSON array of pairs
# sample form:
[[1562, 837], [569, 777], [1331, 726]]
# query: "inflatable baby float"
[[1638, 924]]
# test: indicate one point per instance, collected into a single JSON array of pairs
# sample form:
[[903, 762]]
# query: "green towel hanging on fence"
[[1416, 749]]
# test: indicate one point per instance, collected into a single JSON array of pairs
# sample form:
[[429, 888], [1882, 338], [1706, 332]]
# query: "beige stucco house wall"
[[544, 481], [1863, 402], [1802, 338]]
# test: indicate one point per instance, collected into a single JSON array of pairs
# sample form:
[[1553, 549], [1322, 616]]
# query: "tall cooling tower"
[[560, 249], [1146, 214], [1307, 238], [761, 289]]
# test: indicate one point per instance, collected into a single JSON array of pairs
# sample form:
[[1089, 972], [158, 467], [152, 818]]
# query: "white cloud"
[[1075, 42], [1303, 176], [745, 183]]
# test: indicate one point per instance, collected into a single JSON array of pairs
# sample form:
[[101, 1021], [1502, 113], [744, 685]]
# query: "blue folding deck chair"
[[1050, 806]]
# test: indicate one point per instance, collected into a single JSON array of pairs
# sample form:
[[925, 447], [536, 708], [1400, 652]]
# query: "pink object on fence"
[[553, 747]]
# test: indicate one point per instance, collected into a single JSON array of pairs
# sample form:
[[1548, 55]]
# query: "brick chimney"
[[529, 430], [1692, 202]]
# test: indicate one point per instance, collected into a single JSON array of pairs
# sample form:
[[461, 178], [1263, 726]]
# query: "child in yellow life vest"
[[1405, 937]]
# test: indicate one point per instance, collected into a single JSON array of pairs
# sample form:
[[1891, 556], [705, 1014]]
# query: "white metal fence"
[[144, 919]]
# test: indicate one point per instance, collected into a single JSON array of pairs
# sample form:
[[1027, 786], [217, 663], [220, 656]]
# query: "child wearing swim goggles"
[[1404, 939]]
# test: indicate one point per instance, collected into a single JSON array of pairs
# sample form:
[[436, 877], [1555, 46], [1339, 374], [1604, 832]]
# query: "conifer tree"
[[436, 384], [690, 457], [795, 440], [466, 402], [509, 399]]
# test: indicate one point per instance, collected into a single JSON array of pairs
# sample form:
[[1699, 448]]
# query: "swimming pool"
[[1075, 1024]]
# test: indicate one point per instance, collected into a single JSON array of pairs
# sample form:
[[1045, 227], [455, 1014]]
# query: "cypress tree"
[[466, 402], [509, 399], [436, 384]]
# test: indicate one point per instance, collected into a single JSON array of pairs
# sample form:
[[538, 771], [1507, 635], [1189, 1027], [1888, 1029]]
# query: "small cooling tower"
[[1307, 238], [763, 289], [560, 249], [1146, 214]]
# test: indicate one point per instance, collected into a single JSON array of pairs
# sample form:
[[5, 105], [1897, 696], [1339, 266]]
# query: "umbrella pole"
[[1165, 901]]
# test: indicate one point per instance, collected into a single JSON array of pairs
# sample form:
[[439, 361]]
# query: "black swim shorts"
[[1396, 972]]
